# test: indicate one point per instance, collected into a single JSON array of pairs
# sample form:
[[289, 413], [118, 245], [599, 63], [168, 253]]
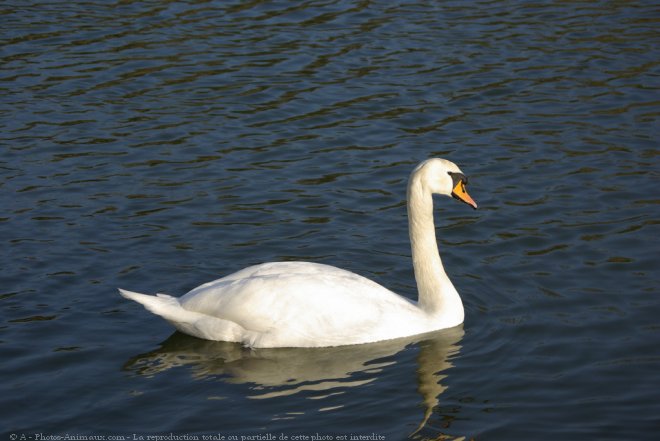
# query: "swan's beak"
[[461, 194]]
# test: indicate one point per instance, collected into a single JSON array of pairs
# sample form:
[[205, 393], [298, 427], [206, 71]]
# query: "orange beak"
[[461, 194]]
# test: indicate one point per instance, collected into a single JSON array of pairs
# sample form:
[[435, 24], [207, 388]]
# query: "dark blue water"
[[157, 145]]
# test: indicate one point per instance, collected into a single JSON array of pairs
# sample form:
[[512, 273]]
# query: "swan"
[[304, 304]]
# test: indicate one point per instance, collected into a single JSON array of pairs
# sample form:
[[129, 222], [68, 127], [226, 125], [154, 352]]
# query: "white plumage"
[[302, 304]]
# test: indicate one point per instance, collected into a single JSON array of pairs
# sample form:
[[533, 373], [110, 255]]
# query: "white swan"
[[302, 304]]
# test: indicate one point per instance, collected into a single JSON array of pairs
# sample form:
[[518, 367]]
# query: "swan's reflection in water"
[[287, 371]]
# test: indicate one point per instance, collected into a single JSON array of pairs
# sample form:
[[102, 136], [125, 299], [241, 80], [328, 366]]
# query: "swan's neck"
[[437, 295]]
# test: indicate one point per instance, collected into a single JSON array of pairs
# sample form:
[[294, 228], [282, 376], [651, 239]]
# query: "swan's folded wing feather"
[[300, 304]]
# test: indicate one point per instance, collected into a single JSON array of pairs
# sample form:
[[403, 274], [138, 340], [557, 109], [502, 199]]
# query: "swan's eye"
[[458, 177]]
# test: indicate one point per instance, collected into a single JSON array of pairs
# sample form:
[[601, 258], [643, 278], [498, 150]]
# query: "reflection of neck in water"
[[432, 361], [287, 371]]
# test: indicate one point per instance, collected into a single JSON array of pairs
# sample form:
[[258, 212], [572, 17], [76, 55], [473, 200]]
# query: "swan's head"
[[444, 177]]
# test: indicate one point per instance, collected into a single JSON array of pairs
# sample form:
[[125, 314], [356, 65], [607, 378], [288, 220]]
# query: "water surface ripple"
[[156, 145]]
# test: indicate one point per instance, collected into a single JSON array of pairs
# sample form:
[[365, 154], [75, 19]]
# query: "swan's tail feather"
[[163, 305], [189, 322]]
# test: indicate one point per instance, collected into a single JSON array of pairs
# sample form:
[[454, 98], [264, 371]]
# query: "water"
[[158, 145]]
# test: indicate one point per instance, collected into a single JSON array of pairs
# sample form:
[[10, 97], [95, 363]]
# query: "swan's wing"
[[301, 304]]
